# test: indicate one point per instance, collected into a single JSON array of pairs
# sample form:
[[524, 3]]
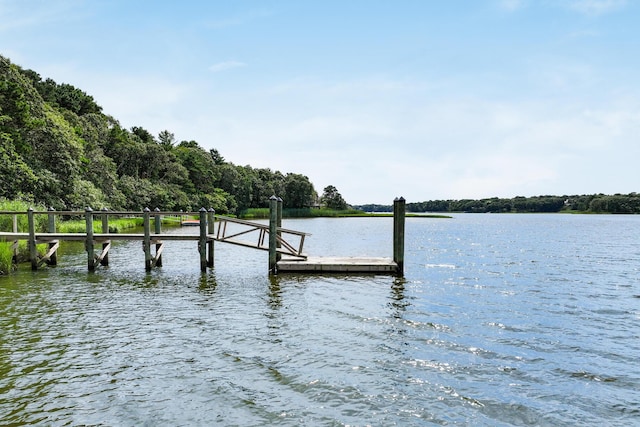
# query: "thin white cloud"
[[511, 5], [226, 65], [241, 18], [596, 7], [13, 16]]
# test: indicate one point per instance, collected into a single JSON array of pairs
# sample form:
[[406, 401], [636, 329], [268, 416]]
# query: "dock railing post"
[[279, 225], [146, 242], [398, 234], [105, 230], [273, 227], [157, 222], [33, 250], [91, 258], [51, 228], [202, 243], [211, 223]]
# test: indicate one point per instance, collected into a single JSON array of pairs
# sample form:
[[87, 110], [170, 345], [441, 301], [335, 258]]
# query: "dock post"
[[51, 228], [279, 225], [398, 234], [211, 229], [146, 242], [202, 243], [33, 250], [157, 222], [91, 257], [273, 227], [105, 230]]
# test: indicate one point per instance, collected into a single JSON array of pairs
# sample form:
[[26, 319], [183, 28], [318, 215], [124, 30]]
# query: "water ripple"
[[501, 320]]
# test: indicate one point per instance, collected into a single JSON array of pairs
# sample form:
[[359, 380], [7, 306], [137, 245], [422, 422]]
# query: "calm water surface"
[[501, 320]]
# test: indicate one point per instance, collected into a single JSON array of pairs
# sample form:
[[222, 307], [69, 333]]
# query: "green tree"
[[216, 157], [199, 166], [63, 95], [144, 135], [298, 191], [332, 199], [167, 140], [17, 177]]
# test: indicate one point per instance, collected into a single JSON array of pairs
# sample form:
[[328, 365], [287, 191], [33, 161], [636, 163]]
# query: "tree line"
[[58, 149], [595, 203]]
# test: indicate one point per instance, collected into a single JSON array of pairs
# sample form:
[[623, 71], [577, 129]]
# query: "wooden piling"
[[89, 244], [157, 222], [33, 250], [398, 234], [273, 227], [210, 229], [279, 226], [51, 228], [202, 243], [146, 241]]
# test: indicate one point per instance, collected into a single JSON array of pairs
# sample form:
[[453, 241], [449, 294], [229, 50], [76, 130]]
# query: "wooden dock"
[[285, 246], [212, 228], [344, 265]]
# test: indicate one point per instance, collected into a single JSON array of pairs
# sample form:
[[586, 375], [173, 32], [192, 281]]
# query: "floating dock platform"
[[338, 265]]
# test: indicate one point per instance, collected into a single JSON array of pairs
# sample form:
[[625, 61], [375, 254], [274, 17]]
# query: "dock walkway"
[[285, 246]]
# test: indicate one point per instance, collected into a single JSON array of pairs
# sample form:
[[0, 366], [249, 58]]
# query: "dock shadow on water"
[[500, 320]]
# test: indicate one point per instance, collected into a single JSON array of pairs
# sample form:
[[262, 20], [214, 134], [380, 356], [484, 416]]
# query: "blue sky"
[[415, 98]]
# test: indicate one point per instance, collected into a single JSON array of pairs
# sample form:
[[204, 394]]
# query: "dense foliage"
[[332, 199], [596, 203], [58, 149]]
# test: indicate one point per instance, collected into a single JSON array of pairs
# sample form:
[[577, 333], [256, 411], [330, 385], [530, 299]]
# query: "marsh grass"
[[6, 221], [6, 257], [116, 225]]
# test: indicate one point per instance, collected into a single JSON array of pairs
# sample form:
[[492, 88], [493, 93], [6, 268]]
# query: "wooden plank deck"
[[338, 265]]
